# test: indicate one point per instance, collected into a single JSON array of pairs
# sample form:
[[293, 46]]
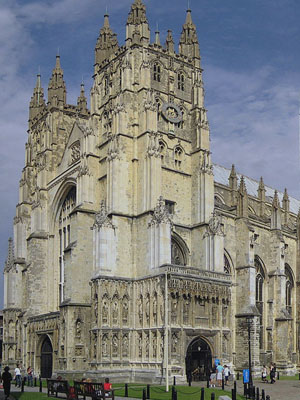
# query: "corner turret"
[[57, 87], [170, 42], [137, 28], [37, 103], [107, 42], [188, 44]]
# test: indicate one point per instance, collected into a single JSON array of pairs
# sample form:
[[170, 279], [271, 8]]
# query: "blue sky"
[[251, 60]]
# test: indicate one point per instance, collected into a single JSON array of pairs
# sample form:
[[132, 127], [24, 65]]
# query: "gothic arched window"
[[156, 72], [106, 85], [162, 149], [178, 153], [178, 256], [289, 287], [65, 234], [180, 81], [259, 295]]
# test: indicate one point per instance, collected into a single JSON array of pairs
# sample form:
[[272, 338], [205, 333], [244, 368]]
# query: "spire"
[[137, 28], [261, 194], [170, 42], [107, 42], [37, 102], [188, 44], [233, 178], [276, 212], [286, 206], [81, 101], [157, 38], [242, 210], [57, 87]]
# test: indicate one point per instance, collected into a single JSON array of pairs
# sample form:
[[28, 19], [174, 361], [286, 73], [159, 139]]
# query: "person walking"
[[6, 379], [226, 374], [18, 376], [272, 373], [30, 376], [264, 374]]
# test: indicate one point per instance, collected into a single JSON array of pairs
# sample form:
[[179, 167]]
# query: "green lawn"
[[29, 396]]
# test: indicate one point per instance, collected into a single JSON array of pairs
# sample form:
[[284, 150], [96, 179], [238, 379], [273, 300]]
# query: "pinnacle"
[[57, 63], [261, 184], [188, 19], [233, 171], [106, 21], [242, 185]]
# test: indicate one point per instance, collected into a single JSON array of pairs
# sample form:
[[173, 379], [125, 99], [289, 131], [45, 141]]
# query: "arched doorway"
[[198, 360], [46, 358]]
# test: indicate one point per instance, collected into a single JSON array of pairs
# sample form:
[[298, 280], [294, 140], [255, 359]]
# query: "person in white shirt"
[[18, 376], [226, 374]]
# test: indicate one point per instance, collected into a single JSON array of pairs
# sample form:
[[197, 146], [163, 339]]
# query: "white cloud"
[[254, 124]]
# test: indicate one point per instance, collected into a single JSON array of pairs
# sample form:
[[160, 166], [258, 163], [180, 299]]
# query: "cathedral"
[[133, 255]]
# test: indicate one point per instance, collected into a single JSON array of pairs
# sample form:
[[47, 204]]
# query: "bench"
[[93, 390], [58, 386]]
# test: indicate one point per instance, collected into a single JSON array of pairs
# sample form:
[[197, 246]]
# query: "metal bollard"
[[35, 381], [144, 394], [263, 394], [207, 382], [202, 394], [222, 383], [212, 397], [148, 391], [238, 376], [174, 380], [22, 386], [173, 393], [234, 385], [253, 393], [257, 394], [278, 375], [233, 394], [268, 397], [41, 385], [126, 390]]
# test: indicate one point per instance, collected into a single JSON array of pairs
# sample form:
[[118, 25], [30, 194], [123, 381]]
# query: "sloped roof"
[[221, 175]]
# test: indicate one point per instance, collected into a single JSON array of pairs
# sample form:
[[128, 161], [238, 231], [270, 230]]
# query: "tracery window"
[[156, 72], [289, 287], [106, 85], [180, 81], [162, 149], [178, 153], [65, 235], [158, 107], [259, 295]]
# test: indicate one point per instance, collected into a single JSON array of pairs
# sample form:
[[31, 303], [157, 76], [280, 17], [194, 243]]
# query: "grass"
[[29, 395]]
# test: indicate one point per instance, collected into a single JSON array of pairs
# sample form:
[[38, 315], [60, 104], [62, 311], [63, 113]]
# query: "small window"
[[170, 206], [180, 81], [156, 72], [106, 85], [162, 149], [158, 108], [178, 157]]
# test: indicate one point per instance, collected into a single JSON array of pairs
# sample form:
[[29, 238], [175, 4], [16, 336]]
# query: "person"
[[6, 379], [272, 374], [30, 376], [226, 374], [220, 370], [107, 387], [18, 376], [212, 378], [264, 374]]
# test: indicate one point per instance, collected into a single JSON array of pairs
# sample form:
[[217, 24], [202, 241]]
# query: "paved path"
[[281, 390]]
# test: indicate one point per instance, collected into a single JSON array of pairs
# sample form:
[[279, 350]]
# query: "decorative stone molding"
[[153, 144], [114, 148], [161, 214], [102, 219], [215, 225], [205, 163]]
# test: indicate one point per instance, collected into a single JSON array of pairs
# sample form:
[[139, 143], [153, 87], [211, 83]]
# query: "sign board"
[[217, 362], [246, 375]]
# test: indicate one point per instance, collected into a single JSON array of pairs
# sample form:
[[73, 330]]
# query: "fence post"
[[202, 394], [233, 394], [213, 397], [174, 380], [263, 394], [41, 385], [257, 393], [253, 393], [35, 381], [222, 383], [234, 385], [126, 389], [144, 394], [175, 395], [22, 385], [207, 382]]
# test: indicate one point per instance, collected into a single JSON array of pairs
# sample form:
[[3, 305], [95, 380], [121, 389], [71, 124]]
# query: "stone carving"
[[115, 311], [125, 346], [174, 343], [174, 305], [114, 148], [140, 310], [161, 214], [205, 163], [154, 345], [161, 347], [154, 309], [147, 308], [94, 345], [115, 345], [105, 345], [154, 148], [186, 310], [162, 313], [105, 312], [150, 103], [75, 152], [102, 219], [96, 307], [140, 345], [78, 328], [125, 311]]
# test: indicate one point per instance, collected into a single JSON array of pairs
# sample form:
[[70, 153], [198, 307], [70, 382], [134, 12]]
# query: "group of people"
[[6, 378], [264, 373], [218, 373]]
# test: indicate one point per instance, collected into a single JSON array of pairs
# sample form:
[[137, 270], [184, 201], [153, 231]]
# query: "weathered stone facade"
[[132, 254]]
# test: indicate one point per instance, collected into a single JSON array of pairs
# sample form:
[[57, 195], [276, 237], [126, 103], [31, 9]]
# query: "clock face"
[[172, 113]]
